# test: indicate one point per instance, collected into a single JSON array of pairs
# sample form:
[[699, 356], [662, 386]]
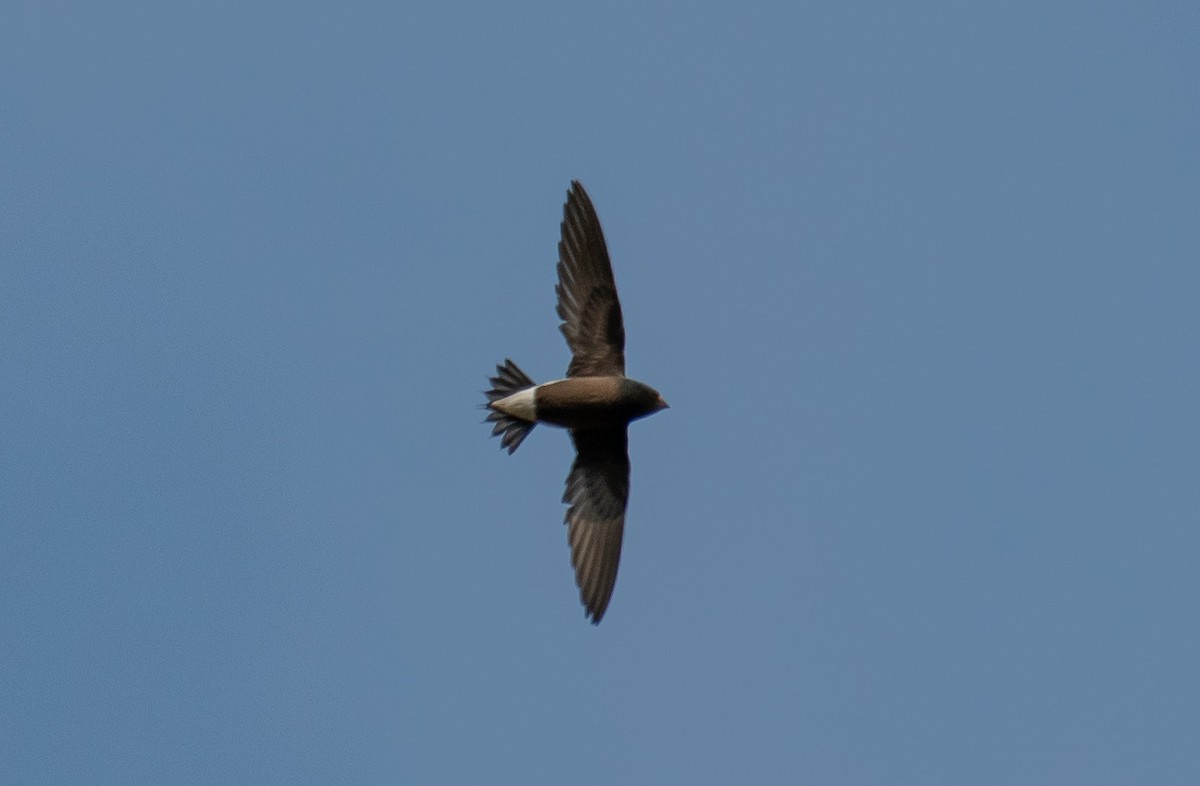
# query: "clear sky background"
[[921, 282]]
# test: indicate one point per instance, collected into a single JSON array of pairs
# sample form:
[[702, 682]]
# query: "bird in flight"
[[596, 402]]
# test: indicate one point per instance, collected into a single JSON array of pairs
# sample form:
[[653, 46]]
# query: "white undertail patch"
[[519, 405]]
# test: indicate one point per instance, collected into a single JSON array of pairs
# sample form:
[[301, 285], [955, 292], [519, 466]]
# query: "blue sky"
[[920, 283]]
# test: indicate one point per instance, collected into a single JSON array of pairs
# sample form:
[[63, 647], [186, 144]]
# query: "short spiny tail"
[[508, 380]]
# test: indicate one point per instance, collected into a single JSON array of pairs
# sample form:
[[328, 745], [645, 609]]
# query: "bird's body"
[[596, 402], [583, 402]]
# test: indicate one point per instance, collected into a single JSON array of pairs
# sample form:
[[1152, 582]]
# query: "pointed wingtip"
[[577, 191]]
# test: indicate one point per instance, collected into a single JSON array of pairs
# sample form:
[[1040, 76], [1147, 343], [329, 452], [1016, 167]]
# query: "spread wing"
[[597, 491], [587, 294]]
